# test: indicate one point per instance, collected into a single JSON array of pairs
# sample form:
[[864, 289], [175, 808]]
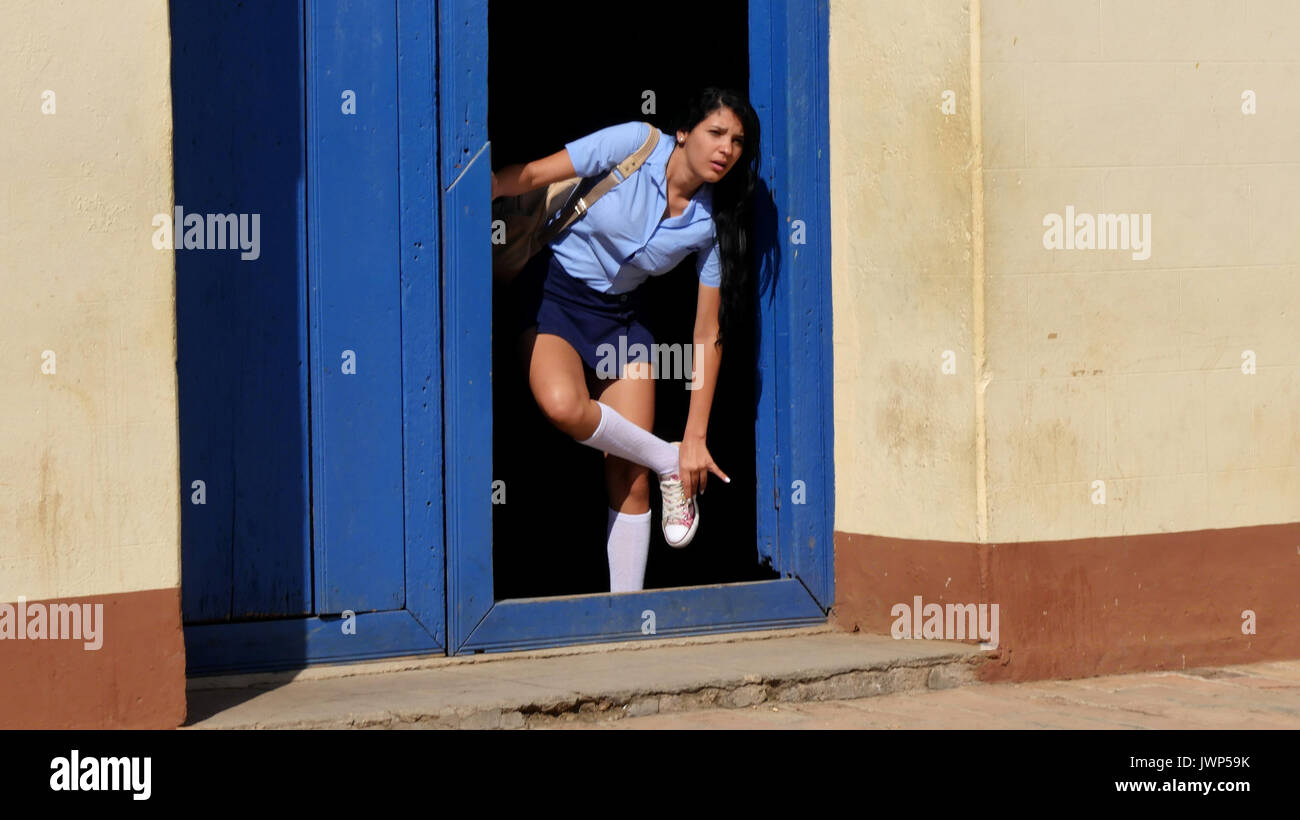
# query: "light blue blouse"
[[621, 241]]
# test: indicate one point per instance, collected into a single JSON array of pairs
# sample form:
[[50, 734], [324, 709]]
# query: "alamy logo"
[[667, 361], [953, 622], [95, 774], [38, 621], [209, 232], [1086, 232]]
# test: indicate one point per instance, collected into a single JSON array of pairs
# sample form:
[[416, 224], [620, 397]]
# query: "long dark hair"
[[732, 200]]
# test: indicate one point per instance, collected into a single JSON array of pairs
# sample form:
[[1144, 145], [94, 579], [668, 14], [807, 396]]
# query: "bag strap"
[[580, 205]]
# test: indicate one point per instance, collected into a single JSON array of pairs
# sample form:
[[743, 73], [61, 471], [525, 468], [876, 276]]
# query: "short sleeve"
[[708, 267], [601, 150]]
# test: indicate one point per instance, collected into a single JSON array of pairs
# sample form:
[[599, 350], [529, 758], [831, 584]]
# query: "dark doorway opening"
[[550, 85], [557, 73]]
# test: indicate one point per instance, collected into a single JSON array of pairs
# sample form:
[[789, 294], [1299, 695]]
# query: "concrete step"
[[590, 683]]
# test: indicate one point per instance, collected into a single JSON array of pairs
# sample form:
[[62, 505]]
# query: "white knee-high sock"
[[628, 543], [618, 436]]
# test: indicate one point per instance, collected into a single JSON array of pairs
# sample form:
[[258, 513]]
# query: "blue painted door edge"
[[422, 409], [464, 164], [789, 88], [789, 46]]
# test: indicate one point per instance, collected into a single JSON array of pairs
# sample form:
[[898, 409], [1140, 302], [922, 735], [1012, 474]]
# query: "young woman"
[[692, 195]]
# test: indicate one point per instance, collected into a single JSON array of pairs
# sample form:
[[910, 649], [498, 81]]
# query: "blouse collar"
[[701, 206]]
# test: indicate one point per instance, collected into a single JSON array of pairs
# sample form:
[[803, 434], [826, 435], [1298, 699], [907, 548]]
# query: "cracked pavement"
[[1256, 696]]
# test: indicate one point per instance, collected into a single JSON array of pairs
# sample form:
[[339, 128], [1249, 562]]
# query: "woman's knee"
[[561, 404]]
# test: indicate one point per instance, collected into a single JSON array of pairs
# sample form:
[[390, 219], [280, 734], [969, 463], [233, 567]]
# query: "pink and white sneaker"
[[681, 517]]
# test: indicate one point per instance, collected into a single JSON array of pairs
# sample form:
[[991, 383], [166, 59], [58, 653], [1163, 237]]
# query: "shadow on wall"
[[549, 536]]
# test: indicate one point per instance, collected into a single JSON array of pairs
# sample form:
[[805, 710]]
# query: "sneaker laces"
[[676, 509]]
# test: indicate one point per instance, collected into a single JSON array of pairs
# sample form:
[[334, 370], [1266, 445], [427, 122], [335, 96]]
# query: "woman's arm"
[[513, 180], [594, 154], [696, 463]]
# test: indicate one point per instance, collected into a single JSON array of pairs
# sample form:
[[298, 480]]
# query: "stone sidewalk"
[[1258, 696], [587, 683], [816, 678]]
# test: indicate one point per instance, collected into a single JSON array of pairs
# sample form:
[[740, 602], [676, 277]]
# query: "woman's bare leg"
[[559, 384], [555, 375], [563, 388]]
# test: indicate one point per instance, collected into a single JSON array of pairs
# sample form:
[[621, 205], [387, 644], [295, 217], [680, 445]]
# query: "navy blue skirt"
[[602, 327]]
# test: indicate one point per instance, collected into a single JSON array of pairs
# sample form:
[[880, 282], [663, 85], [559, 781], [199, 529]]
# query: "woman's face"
[[714, 146]]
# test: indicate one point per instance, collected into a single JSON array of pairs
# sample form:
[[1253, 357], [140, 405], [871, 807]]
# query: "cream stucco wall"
[[89, 499], [1127, 371], [901, 257], [1099, 367]]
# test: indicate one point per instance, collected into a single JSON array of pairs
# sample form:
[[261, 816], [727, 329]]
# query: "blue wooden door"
[[355, 308], [306, 408], [792, 428], [241, 347]]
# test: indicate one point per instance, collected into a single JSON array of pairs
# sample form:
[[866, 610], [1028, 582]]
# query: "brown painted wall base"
[[1071, 609], [135, 680]]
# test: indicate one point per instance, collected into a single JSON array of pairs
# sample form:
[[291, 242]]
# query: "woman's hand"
[[695, 464]]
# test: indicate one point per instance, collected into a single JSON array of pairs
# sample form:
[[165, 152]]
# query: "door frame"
[[789, 90], [443, 176], [419, 627]]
